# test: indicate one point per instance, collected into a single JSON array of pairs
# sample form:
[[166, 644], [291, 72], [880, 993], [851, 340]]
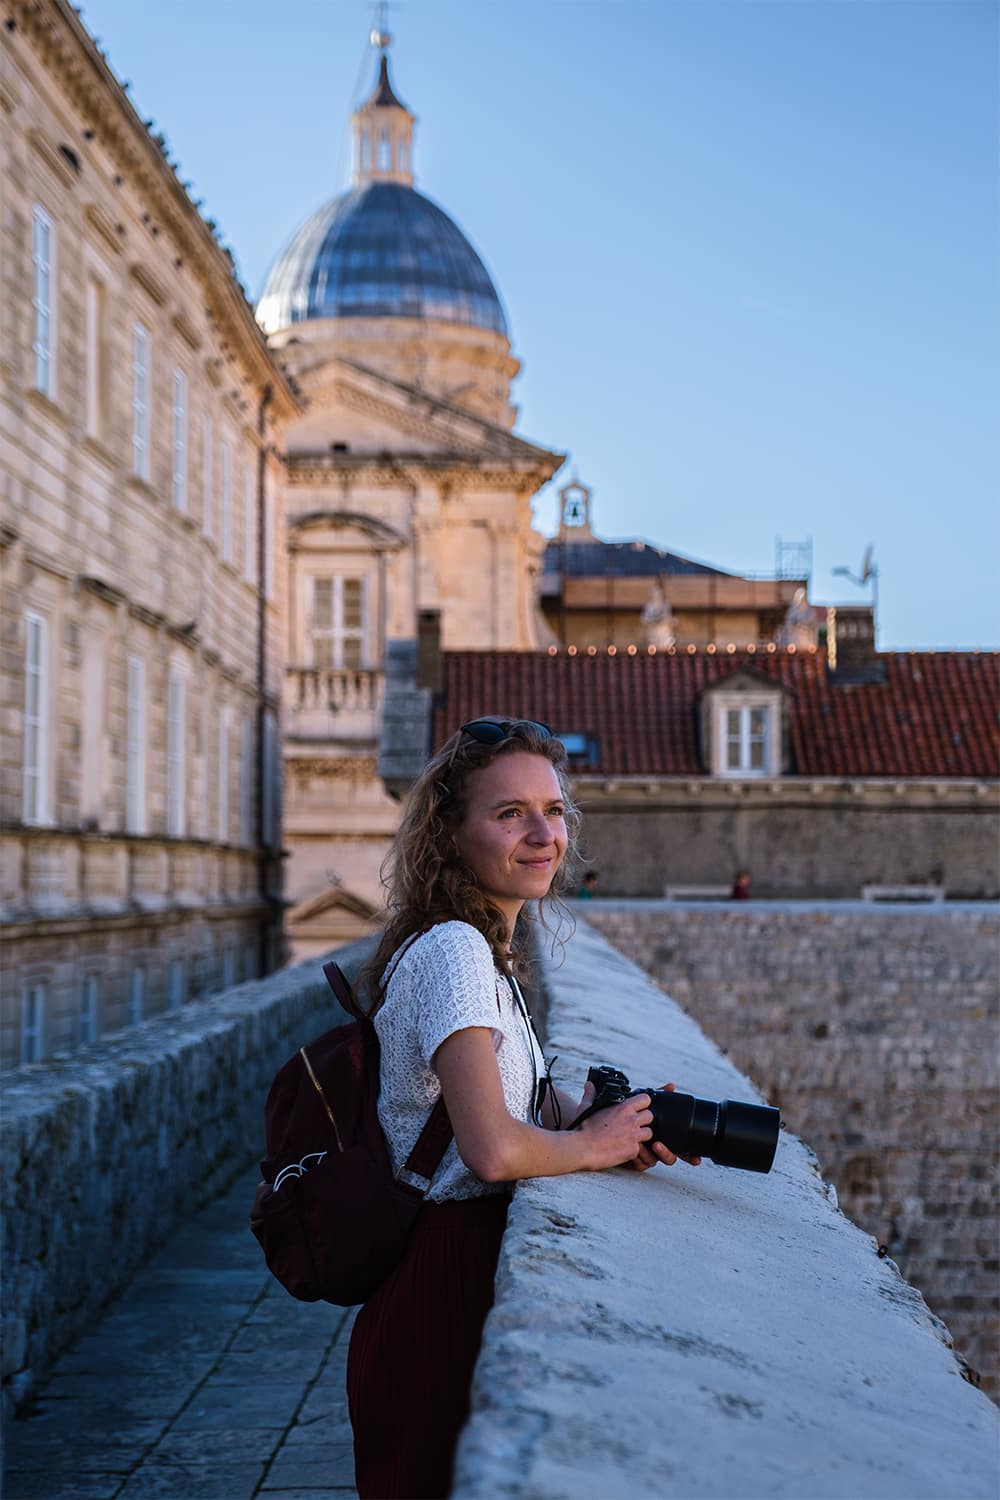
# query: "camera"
[[730, 1133]]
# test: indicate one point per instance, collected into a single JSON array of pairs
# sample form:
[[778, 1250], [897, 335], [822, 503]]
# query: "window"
[[271, 790], [42, 265], [747, 734], [178, 488], [366, 151], [141, 350], [402, 156], [227, 504], [223, 802], [88, 1010], [268, 543], [384, 151], [175, 756], [135, 748], [33, 1023], [136, 996], [249, 529], [246, 781], [228, 968], [36, 720], [581, 749], [207, 499], [177, 984], [96, 378], [337, 634]]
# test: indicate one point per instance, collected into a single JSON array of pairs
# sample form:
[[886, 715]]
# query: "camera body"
[[730, 1133]]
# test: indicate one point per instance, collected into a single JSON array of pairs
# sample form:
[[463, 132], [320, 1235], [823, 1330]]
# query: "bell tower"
[[383, 128]]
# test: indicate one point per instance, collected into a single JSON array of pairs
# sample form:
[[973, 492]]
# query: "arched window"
[[384, 151], [366, 151], [403, 156]]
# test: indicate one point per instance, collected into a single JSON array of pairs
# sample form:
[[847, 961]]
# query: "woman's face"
[[513, 835]]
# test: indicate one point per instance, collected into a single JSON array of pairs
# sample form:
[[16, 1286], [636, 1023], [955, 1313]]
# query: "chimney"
[[850, 645], [429, 673]]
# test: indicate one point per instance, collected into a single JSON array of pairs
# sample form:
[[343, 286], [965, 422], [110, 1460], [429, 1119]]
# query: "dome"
[[381, 250]]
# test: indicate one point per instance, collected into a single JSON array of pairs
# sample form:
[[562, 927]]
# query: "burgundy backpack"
[[330, 1216]]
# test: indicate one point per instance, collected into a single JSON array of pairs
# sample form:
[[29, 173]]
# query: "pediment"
[[745, 680], [336, 902], [352, 527], [354, 411]]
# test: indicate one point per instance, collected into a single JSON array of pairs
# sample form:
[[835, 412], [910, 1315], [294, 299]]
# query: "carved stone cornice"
[[333, 768], [387, 471]]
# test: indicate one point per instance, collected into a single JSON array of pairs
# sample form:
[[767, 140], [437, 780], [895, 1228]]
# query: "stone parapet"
[[874, 1029], [104, 1152], [704, 1332]]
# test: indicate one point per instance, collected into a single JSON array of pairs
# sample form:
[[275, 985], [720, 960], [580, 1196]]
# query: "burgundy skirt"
[[413, 1351]]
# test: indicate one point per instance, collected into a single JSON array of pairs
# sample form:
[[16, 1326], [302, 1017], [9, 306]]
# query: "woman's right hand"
[[614, 1135]]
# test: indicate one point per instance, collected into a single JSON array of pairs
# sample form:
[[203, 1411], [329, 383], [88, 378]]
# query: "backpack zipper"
[[316, 1086]]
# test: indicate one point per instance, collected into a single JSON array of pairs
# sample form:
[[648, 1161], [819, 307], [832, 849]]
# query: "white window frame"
[[222, 801], [35, 758], [249, 529], [135, 747], [136, 995], [43, 310], [337, 633], [88, 1028], [269, 559], [269, 769], [178, 433], [34, 1003], [226, 521], [176, 984], [744, 704], [207, 465], [176, 756], [142, 362], [246, 782], [96, 301], [228, 967]]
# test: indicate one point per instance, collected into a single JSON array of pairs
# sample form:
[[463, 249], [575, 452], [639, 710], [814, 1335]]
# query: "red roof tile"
[[937, 714]]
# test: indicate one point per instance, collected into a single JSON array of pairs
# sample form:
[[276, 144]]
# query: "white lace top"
[[444, 982]]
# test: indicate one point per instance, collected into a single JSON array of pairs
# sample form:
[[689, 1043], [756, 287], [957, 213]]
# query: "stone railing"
[[317, 699], [704, 1332], [103, 1153], [58, 873]]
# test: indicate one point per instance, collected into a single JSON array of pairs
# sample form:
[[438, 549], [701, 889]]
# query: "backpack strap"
[[343, 990], [426, 1156], [433, 1141]]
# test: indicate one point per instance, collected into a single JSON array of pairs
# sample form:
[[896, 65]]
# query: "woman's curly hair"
[[426, 880]]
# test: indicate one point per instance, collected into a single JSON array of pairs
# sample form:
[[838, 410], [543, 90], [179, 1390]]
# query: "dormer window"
[[741, 726]]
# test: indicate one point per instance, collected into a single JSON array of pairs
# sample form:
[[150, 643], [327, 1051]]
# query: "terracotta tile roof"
[[936, 714]]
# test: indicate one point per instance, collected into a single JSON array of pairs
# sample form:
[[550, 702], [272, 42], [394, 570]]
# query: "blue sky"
[[748, 248]]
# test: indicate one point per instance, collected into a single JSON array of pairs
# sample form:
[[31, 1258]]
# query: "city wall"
[[102, 1153], [874, 1030]]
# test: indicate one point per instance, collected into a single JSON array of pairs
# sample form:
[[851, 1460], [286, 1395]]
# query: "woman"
[[487, 827]]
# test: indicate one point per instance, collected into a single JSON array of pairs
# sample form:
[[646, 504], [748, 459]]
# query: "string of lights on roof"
[[768, 648]]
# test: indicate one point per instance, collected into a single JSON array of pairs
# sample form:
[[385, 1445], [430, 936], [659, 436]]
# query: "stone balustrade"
[[338, 701]]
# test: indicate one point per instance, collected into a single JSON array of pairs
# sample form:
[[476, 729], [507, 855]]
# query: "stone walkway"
[[204, 1381]]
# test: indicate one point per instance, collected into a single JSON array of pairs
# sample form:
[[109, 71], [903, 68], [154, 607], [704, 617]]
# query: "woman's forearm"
[[518, 1150]]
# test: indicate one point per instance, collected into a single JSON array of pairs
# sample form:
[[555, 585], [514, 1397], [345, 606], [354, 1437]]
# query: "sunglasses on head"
[[492, 731]]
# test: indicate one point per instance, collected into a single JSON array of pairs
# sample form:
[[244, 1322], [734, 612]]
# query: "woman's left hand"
[[655, 1151]]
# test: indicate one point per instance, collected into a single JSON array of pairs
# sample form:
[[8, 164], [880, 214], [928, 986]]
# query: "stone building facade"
[[143, 577], [408, 494]]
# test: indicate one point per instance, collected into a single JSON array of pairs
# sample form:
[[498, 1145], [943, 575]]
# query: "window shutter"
[[175, 756], [36, 719], [135, 765]]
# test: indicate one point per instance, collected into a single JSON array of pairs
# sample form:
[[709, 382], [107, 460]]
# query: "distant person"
[[741, 886], [588, 890]]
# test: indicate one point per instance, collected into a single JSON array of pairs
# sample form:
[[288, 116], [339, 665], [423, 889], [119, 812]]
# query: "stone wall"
[[703, 1332], [823, 839], [104, 1152], [875, 1031]]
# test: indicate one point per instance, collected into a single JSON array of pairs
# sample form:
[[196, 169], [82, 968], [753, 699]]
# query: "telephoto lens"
[[728, 1132]]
